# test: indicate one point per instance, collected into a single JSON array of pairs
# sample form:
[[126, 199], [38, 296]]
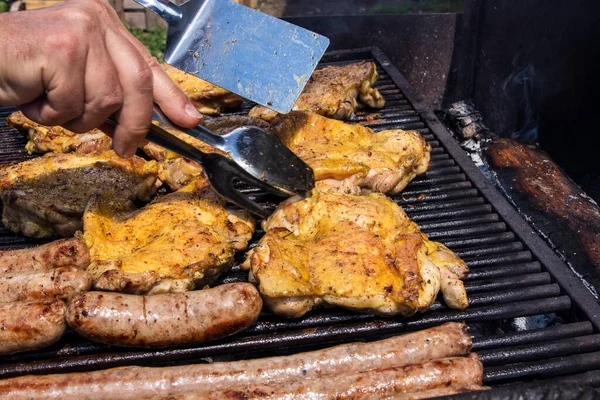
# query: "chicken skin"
[[335, 92], [358, 252], [208, 99], [48, 195], [354, 155], [56, 139], [181, 240]]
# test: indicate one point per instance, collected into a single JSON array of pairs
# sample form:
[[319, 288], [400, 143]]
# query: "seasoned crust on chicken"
[[354, 155], [333, 92], [207, 98], [358, 252], [177, 171], [44, 139], [48, 195], [180, 240]]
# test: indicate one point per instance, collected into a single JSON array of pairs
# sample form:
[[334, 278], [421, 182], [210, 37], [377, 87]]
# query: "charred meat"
[[48, 195]]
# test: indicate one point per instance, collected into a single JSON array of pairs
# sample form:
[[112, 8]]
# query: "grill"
[[529, 315]]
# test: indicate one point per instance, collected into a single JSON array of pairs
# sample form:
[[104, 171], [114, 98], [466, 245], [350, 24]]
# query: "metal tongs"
[[255, 157]]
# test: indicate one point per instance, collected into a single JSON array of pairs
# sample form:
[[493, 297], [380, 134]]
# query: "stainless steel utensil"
[[255, 157], [255, 55]]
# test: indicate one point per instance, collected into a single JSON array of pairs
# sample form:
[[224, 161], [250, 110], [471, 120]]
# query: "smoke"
[[524, 90]]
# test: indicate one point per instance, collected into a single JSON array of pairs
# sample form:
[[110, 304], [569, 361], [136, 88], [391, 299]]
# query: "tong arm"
[[220, 170], [161, 137], [199, 132]]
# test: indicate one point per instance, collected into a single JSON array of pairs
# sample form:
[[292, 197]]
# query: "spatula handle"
[[163, 8]]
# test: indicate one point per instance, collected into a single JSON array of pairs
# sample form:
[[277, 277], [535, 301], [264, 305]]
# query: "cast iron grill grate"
[[531, 318]]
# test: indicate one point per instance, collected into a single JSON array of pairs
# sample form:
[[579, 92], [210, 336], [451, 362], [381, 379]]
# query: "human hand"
[[75, 64]]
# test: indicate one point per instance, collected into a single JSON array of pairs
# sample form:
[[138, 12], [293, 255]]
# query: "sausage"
[[165, 319], [60, 253], [377, 383], [437, 392], [448, 340], [259, 394], [61, 283], [30, 326]]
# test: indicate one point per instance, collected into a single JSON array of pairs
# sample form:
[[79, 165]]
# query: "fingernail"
[[124, 152], [192, 112], [130, 152]]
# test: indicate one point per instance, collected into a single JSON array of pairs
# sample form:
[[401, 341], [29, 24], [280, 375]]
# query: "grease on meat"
[[165, 319]]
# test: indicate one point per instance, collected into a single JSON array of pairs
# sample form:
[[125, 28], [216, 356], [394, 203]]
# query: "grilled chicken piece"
[[208, 98], [358, 252], [48, 195], [44, 139], [183, 239], [333, 92], [354, 155], [177, 171]]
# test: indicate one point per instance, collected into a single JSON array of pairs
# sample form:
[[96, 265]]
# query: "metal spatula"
[[255, 157], [255, 55]]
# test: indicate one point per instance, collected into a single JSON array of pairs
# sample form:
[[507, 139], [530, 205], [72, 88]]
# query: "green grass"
[[154, 39], [3, 6], [419, 6]]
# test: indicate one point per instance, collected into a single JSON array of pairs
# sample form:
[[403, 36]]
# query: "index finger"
[[136, 78], [171, 99]]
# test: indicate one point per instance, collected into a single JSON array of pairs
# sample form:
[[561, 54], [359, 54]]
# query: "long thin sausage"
[[30, 326], [61, 283], [378, 383], [448, 340], [276, 395], [437, 392], [165, 319], [60, 253], [426, 394]]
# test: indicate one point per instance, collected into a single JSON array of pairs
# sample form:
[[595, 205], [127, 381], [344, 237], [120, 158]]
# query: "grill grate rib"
[[530, 317]]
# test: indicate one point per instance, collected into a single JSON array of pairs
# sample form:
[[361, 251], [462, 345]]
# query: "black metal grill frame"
[[530, 316]]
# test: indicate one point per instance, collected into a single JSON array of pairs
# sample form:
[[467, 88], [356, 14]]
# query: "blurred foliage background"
[[154, 39]]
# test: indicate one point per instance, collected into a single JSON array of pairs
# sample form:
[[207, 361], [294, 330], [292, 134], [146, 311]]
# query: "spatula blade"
[[255, 55]]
